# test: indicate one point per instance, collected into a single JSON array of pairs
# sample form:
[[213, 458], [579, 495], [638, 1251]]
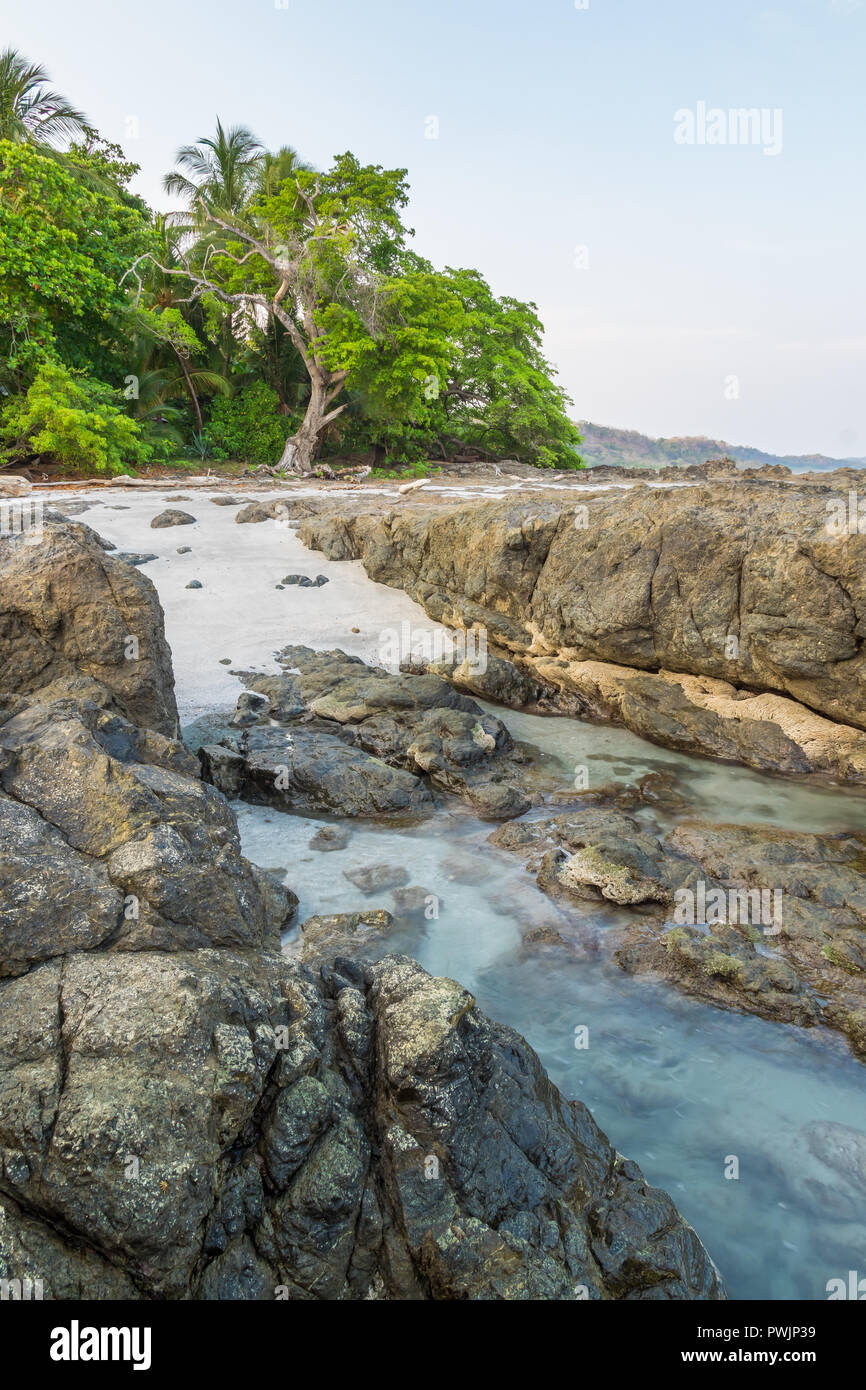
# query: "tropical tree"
[[316, 257], [30, 112], [64, 248], [275, 167], [499, 395], [376, 327], [218, 172]]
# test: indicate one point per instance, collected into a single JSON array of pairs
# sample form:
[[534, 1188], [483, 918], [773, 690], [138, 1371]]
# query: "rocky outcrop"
[[756, 586], [74, 614], [186, 1113], [110, 841], [333, 734], [752, 918], [220, 1125]]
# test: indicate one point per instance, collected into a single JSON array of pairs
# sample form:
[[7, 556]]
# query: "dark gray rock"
[[135, 557], [172, 517], [352, 721]]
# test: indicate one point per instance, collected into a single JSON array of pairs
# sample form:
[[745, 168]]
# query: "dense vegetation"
[[279, 317]]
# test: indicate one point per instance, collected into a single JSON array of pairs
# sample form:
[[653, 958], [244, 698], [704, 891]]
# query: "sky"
[[571, 151]]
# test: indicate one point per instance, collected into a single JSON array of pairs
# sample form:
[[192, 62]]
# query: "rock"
[[225, 501], [823, 1167], [221, 1165], [225, 661], [497, 800], [194, 584], [172, 517], [372, 726], [766, 921], [376, 878], [495, 679], [301, 580], [249, 709], [133, 852], [720, 618], [255, 512], [415, 902], [709, 717], [314, 773], [11, 485], [70, 612], [224, 767], [184, 550], [326, 937], [330, 837], [135, 557]]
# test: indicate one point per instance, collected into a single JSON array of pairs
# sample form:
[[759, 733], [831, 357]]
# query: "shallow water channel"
[[678, 1085]]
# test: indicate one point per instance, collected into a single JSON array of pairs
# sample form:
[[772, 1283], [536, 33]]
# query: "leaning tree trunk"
[[190, 390], [300, 447]]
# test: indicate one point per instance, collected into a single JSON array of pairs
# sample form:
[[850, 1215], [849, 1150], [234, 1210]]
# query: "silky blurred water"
[[679, 1086]]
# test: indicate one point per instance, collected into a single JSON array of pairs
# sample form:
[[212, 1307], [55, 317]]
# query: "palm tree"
[[30, 112], [219, 171], [275, 168]]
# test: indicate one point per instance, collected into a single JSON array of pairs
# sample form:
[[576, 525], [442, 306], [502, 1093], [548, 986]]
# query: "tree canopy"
[[278, 316]]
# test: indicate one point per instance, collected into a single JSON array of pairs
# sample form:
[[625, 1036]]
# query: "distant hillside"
[[627, 448]]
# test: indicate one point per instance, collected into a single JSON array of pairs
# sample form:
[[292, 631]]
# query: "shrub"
[[249, 426], [73, 420]]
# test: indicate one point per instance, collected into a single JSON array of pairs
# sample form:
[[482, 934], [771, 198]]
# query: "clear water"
[[679, 1086]]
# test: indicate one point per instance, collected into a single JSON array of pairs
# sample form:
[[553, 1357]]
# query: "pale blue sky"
[[556, 131]]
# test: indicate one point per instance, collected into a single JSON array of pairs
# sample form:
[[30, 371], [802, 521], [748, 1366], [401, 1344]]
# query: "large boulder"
[[225, 1125], [70, 611], [110, 840]]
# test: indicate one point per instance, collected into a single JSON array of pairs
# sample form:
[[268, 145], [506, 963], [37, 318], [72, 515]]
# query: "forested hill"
[[628, 448]]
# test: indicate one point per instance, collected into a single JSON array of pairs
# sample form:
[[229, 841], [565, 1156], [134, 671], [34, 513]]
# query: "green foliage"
[[500, 394], [63, 250], [419, 469], [282, 303], [74, 421], [30, 112], [248, 426]]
